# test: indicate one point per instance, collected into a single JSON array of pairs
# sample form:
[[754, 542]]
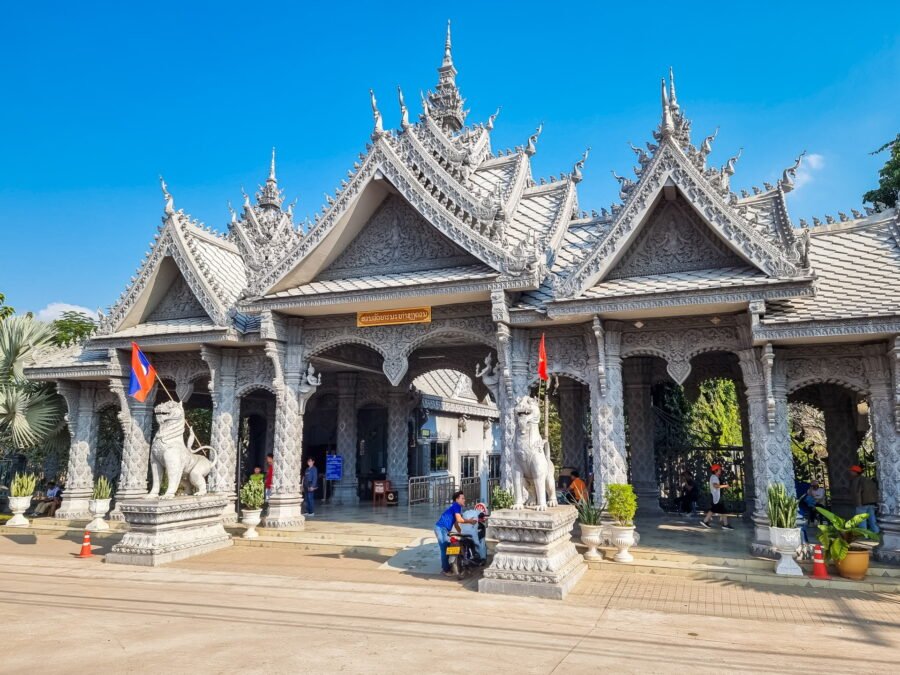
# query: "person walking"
[[718, 504], [270, 461], [310, 485], [450, 518], [865, 496]]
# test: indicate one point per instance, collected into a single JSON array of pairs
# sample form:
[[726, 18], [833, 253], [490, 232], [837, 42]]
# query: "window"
[[439, 452], [494, 467], [469, 468]]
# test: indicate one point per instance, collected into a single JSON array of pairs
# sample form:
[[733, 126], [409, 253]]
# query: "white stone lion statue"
[[168, 452], [532, 468]]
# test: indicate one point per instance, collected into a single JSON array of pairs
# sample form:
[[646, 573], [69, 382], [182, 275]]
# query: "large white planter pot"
[[18, 505], [592, 537], [786, 540], [98, 508], [622, 539], [251, 519]]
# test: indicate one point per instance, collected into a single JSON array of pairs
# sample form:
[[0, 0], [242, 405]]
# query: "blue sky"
[[100, 98]]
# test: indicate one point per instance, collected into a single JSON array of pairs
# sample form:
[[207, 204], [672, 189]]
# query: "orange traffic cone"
[[819, 569], [86, 546]]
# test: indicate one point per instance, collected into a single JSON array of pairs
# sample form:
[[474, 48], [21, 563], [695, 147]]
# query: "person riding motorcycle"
[[450, 518]]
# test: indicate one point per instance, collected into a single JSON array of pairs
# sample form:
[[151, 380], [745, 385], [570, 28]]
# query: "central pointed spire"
[[445, 103], [269, 195]]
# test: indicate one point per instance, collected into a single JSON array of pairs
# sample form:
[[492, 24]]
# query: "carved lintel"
[[895, 352], [768, 356], [601, 354]]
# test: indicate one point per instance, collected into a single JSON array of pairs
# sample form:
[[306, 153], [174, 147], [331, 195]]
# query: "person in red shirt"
[[270, 460], [577, 488]]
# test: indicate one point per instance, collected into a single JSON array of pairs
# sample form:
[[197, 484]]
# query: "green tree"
[[715, 417], [72, 327], [888, 177], [5, 310], [30, 412]]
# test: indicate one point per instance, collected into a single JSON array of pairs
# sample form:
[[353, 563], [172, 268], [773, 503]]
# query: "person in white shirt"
[[718, 504]]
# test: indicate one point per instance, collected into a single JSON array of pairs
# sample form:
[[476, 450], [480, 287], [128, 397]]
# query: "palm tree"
[[31, 413]]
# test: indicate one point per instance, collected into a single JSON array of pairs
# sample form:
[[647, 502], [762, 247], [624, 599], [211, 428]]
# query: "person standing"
[[689, 493], [310, 485], [270, 461], [577, 488], [718, 504], [450, 518], [865, 496]]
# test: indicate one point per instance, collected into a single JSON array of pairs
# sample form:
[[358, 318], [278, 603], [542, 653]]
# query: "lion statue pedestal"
[[535, 555], [165, 530]]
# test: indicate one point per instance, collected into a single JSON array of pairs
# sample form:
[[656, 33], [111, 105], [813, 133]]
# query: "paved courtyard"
[[278, 610]]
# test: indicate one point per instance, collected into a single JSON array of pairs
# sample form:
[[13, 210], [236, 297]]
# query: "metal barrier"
[[471, 488], [431, 489], [672, 462]]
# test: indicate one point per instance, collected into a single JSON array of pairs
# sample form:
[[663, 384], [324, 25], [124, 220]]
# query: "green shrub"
[[102, 488], [781, 507], [621, 504], [838, 535], [23, 485], [588, 514], [501, 499], [253, 495]]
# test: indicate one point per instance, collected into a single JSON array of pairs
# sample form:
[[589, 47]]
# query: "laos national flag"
[[143, 375], [542, 360]]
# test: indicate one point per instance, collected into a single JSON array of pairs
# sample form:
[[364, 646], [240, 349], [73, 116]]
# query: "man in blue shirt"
[[310, 485], [448, 520]]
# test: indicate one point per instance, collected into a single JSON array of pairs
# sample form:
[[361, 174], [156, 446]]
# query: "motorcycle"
[[467, 549]]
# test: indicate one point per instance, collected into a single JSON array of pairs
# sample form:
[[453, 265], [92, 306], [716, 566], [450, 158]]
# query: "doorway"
[[371, 448]]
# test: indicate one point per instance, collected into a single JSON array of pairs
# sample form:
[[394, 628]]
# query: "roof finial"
[[404, 113], [426, 110], [531, 148], [728, 169], [672, 100], [448, 56], [170, 202], [379, 126], [579, 165], [490, 123], [667, 126], [706, 146], [787, 178]]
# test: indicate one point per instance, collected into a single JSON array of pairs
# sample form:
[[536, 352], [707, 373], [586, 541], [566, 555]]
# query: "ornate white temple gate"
[[682, 279]]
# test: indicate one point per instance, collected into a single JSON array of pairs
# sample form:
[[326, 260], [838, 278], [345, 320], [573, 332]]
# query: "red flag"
[[542, 360], [143, 374]]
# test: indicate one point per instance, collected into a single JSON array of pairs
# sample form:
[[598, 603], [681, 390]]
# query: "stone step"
[[873, 582]]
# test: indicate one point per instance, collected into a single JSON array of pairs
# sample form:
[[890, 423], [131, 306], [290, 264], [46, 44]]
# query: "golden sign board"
[[391, 317]]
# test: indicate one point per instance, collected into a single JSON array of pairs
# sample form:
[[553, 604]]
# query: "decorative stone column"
[[571, 417], [882, 417], [136, 419], [398, 441], [79, 486], [749, 485], [225, 420], [346, 490], [638, 374], [607, 412], [769, 435], [839, 408]]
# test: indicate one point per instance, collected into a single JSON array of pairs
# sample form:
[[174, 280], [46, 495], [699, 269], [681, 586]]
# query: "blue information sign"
[[334, 467]]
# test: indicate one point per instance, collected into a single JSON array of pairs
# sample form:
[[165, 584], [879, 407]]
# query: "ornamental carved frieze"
[[182, 368], [567, 354], [679, 346], [178, 303], [836, 365], [254, 371]]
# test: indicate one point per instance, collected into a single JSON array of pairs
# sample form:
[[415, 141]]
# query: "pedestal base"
[[345, 493], [74, 508], [165, 530], [889, 550], [285, 512], [535, 555]]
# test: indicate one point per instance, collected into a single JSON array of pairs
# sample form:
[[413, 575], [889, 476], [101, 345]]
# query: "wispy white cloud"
[[811, 165], [55, 310]]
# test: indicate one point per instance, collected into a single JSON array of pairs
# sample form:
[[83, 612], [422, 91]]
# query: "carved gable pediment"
[[674, 238], [179, 302], [396, 239]]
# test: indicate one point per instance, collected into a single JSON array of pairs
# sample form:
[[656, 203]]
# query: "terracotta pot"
[[98, 508], [622, 539], [854, 566], [18, 505], [591, 536], [251, 518]]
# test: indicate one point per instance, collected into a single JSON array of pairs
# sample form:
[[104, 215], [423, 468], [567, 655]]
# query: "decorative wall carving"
[[396, 239], [678, 347], [179, 302]]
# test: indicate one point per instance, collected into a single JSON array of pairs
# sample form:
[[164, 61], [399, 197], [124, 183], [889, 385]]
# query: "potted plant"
[[621, 505], [253, 496], [99, 505], [591, 528], [783, 531], [838, 537], [20, 494]]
